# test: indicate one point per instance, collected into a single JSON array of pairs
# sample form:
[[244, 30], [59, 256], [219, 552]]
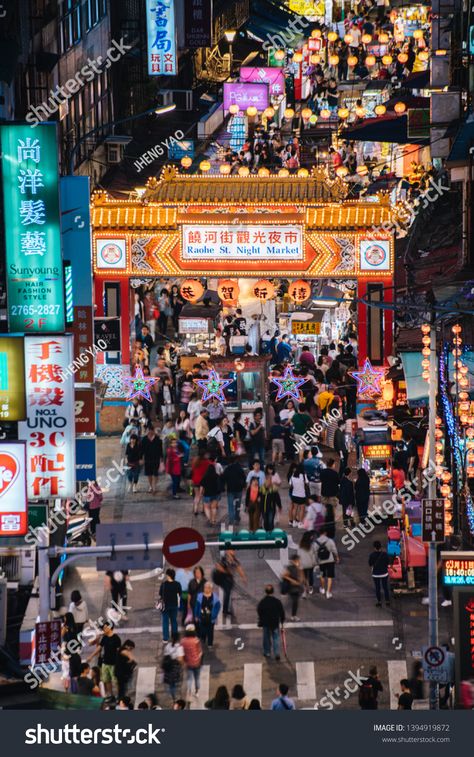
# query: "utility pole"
[[43, 573], [432, 556]]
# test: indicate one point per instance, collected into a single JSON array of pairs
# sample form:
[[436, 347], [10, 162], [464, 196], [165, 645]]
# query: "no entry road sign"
[[183, 547]]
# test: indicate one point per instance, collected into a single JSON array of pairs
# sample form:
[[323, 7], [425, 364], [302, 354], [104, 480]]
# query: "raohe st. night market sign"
[[34, 269]]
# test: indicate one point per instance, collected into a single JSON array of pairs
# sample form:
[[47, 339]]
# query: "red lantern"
[[191, 290], [299, 290], [263, 290], [228, 291]]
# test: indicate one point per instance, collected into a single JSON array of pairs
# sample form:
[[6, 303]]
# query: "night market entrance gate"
[[229, 228]]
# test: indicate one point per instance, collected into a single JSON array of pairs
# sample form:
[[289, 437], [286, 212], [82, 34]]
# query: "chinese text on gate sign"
[[161, 33], [242, 242]]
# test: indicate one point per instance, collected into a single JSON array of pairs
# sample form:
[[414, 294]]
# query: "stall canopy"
[[387, 128], [271, 18]]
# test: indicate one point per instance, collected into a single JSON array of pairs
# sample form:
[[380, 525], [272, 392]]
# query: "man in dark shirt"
[[340, 446], [330, 495], [234, 480], [271, 615], [379, 562], [85, 685], [146, 338], [405, 699], [257, 439], [107, 648], [369, 690], [170, 593], [240, 323]]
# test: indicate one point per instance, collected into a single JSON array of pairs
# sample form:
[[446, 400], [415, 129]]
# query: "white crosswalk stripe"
[[305, 681], [253, 680], [397, 669], [145, 684], [197, 703]]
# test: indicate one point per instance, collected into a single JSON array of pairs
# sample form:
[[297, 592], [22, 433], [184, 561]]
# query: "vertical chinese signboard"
[[83, 332], [464, 635], [198, 23], [161, 35], [49, 430], [13, 502], [34, 269], [433, 520], [48, 640]]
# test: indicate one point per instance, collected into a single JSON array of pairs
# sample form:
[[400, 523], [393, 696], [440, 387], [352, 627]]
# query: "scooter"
[[78, 530]]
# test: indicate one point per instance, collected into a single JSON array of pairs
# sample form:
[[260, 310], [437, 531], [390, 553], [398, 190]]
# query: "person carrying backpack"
[[369, 690], [327, 557]]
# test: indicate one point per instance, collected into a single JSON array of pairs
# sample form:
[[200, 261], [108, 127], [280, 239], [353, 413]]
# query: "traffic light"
[[259, 539]]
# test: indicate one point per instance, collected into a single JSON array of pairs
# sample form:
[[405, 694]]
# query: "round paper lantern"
[[225, 169], [387, 59], [332, 36], [400, 108], [315, 59], [191, 290], [279, 54], [228, 291], [402, 58], [244, 171], [370, 61], [366, 39], [306, 113], [334, 60], [234, 109], [263, 171], [316, 33], [205, 166], [298, 57], [252, 111], [423, 55], [362, 170], [289, 113], [299, 290], [383, 38], [342, 171], [303, 173], [263, 290], [343, 112], [348, 38], [380, 110], [283, 172], [269, 112], [352, 60], [325, 113], [313, 119], [186, 162], [360, 112], [418, 34]]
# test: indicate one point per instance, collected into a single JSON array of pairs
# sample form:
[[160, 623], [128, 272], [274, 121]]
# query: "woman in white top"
[[194, 410], [78, 607], [299, 485], [308, 559]]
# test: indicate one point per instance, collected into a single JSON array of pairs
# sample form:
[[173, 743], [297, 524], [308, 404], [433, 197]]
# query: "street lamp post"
[[230, 36], [156, 111], [432, 556]]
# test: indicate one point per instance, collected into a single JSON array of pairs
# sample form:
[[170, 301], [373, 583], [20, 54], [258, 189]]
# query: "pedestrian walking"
[[257, 438], [78, 608], [340, 446], [94, 498], [379, 562], [152, 453], [327, 558], [195, 587], [211, 489], [299, 493], [199, 466], [405, 699], [347, 497], [206, 612], [330, 495], [233, 479], [133, 455], [220, 700], [270, 501], [192, 658], [223, 576], [362, 493], [116, 582], [271, 616], [308, 560], [174, 466], [106, 649], [369, 690], [283, 701], [238, 700], [170, 595], [292, 583], [253, 504], [125, 665], [172, 664]]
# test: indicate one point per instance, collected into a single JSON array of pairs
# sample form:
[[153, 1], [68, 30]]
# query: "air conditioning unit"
[[115, 148]]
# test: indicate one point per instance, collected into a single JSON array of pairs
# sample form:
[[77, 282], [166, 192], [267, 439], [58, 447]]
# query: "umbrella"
[[283, 643]]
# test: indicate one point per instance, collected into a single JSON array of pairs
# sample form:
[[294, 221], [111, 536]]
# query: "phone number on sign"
[[35, 309]]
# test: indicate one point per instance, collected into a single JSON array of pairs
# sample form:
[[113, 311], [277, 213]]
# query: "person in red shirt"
[[199, 466], [174, 466]]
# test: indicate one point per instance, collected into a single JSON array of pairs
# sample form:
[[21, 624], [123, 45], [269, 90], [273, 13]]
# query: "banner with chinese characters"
[[83, 332], [12, 379], [13, 501], [161, 35], [242, 243], [34, 270], [274, 77], [50, 428], [198, 23], [48, 640]]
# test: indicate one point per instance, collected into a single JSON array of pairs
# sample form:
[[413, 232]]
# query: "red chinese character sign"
[[369, 380], [13, 502], [299, 291], [228, 291], [49, 430], [139, 385], [191, 290], [213, 386], [288, 384]]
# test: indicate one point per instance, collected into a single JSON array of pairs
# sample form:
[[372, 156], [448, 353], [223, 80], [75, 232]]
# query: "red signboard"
[[183, 547], [83, 330], [84, 411]]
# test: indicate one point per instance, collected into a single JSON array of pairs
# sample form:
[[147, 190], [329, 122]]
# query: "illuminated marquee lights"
[[369, 379], [288, 384], [139, 385], [213, 386]]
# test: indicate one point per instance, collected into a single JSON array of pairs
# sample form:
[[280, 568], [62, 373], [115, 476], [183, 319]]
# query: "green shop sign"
[[34, 270]]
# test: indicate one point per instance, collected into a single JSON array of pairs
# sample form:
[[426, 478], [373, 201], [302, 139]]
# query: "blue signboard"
[[161, 35], [178, 149], [86, 459]]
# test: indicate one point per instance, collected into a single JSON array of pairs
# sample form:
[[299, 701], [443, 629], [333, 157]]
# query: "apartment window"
[[70, 24], [96, 10]]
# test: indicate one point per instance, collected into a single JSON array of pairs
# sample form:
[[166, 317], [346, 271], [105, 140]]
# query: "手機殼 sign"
[[273, 243], [161, 35], [34, 267]]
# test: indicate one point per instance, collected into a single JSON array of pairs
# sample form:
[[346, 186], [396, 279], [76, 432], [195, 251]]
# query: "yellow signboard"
[[12, 379], [307, 7], [305, 327]]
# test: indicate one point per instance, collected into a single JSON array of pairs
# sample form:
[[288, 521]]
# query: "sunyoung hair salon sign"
[[242, 243]]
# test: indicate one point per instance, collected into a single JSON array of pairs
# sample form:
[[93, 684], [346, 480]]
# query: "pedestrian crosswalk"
[[311, 683]]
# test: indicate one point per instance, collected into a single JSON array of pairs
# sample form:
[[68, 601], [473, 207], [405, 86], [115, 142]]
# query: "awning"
[[419, 80], [272, 18], [464, 140], [417, 387], [387, 128]]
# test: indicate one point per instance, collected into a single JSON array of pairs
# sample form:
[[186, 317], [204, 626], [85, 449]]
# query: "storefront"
[[238, 236]]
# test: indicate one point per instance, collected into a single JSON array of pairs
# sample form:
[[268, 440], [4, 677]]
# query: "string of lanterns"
[[228, 290]]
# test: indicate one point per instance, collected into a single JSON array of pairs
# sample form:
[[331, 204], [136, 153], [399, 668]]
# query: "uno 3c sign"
[[13, 505]]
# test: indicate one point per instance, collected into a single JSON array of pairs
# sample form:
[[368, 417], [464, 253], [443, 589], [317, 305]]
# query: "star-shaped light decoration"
[[213, 386], [369, 380], [139, 385], [288, 384]]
